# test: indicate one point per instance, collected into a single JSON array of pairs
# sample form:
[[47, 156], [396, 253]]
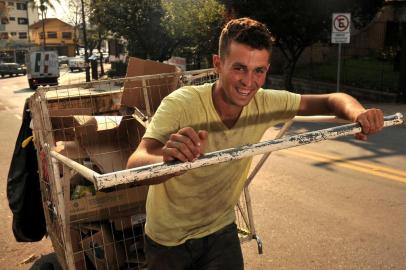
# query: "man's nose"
[[248, 79]]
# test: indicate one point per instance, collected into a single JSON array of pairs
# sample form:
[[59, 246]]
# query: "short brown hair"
[[245, 31]]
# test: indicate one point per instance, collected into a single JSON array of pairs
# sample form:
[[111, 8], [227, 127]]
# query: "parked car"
[[77, 63], [63, 59], [12, 69]]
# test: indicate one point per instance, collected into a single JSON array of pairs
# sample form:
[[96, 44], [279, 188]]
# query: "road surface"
[[333, 205]]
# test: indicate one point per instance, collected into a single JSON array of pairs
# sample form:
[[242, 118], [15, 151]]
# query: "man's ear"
[[216, 63]]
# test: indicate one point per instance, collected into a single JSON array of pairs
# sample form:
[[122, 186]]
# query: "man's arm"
[[185, 145], [343, 106]]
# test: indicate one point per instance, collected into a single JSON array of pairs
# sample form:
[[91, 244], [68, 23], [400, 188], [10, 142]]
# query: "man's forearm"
[[344, 106], [142, 158]]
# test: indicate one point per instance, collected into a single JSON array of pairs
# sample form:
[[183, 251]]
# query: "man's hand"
[[185, 145], [371, 121]]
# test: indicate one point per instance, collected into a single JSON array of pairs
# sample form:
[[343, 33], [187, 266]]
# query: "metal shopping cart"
[[84, 134]]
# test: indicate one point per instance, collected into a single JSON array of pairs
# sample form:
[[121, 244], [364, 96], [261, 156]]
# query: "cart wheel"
[[259, 243], [46, 266]]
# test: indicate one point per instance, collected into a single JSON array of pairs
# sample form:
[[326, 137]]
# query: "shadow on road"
[[47, 262], [386, 143], [23, 90]]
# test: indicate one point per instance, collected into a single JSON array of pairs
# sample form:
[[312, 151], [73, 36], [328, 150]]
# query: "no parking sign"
[[341, 28]]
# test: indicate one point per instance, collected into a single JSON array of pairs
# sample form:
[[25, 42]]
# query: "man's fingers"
[[379, 121], [186, 141], [191, 134], [170, 153], [203, 134], [185, 145], [371, 121], [179, 147], [364, 122], [361, 136]]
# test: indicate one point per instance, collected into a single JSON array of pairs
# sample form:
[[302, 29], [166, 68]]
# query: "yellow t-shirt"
[[201, 201]]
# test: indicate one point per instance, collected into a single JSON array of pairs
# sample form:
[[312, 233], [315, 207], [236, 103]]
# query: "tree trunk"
[[101, 55], [43, 29]]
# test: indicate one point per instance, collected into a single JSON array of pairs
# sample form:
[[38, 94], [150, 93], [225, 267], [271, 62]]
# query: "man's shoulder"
[[189, 93], [273, 92]]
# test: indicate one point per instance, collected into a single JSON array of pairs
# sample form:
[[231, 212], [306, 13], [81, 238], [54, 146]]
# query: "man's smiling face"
[[241, 73]]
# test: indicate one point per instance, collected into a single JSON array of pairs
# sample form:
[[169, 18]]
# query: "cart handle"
[[159, 169]]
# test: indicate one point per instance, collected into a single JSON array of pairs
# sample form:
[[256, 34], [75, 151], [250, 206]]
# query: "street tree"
[[296, 25], [139, 22], [73, 17], [155, 29], [43, 6], [195, 25]]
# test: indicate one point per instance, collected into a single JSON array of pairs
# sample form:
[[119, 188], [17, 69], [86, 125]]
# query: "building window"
[[21, 6], [52, 35], [22, 35], [13, 33], [3, 35], [67, 35], [12, 18], [22, 21], [4, 20]]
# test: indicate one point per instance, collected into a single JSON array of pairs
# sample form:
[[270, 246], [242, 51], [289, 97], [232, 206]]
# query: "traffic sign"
[[341, 24]]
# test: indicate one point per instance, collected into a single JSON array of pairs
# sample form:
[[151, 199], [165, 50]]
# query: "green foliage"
[[194, 24], [154, 29], [366, 72], [298, 24]]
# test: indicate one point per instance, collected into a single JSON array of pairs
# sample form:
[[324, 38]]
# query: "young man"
[[190, 216]]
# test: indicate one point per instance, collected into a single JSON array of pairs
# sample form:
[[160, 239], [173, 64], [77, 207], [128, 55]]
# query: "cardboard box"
[[127, 222], [108, 146], [105, 205], [102, 251], [133, 95], [78, 254], [70, 149]]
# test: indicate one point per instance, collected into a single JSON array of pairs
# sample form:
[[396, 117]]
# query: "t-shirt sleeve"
[[281, 105], [165, 121]]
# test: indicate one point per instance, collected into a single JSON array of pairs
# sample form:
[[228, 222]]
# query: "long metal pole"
[[85, 42], [160, 169], [339, 67]]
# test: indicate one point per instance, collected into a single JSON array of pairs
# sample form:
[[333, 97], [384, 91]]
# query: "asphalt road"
[[333, 205]]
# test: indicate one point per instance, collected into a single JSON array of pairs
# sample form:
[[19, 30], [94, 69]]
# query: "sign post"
[[340, 33]]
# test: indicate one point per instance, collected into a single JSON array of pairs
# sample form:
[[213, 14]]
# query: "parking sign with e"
[[341, 23]]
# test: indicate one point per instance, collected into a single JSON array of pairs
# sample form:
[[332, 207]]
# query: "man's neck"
[[227, 112]]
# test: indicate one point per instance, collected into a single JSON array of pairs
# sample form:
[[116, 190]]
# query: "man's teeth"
[[242, 92]]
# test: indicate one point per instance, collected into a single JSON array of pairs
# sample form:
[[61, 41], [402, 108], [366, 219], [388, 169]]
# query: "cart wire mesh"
[[86, 131]]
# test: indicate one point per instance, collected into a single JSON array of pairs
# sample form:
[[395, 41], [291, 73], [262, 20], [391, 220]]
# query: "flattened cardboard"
[[70, 149], [105, 205], [109, 149], [102, 251], [133, 95]]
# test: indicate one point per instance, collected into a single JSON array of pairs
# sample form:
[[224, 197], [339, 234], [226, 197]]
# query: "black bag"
[[23, 188]]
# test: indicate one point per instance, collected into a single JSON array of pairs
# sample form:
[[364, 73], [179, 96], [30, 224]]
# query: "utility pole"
[[85, 42], [42, 8], [402, 69]]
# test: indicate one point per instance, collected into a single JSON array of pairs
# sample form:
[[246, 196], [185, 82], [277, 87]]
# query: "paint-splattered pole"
[[160, 169]]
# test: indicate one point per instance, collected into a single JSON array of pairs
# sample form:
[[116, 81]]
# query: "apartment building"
[[15, 17], [59, 36]]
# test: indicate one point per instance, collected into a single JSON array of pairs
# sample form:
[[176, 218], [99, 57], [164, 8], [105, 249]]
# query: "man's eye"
[[241, 69], [260, 71]]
